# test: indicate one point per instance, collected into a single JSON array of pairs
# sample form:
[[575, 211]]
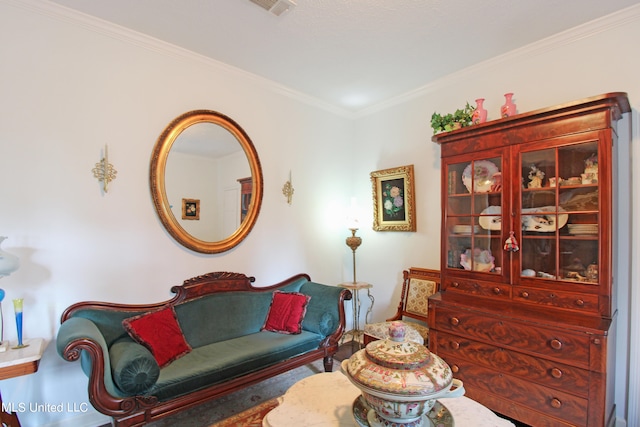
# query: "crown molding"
[[109, 29], [572, 35]]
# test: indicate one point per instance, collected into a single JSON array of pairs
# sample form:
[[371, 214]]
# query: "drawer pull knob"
[[596, 341], [556, 344], [556, 403], [455, 321], [455, 345], [476, 286], [455, 284], [496, 291], [556, 373], [455, 369], [580, 303], [525, 294]]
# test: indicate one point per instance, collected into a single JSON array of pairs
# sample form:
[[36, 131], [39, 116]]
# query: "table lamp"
[[8, 264]]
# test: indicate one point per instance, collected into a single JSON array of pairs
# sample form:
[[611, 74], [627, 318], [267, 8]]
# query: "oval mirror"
[[206, 181]]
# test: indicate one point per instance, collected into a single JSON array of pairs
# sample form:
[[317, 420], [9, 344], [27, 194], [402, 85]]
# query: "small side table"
[[15, 363], [357, 333]]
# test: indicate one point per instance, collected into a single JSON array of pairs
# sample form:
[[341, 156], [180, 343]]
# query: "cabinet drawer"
[[583, 302], [529, 337], [478, 288], [560, 404], [536, 369]]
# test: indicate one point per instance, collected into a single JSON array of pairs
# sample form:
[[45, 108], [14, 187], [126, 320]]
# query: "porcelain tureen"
[[399, 379]]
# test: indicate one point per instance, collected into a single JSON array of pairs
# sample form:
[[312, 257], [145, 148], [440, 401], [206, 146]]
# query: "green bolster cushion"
[[324, 326], [322, 311], [133, 367]]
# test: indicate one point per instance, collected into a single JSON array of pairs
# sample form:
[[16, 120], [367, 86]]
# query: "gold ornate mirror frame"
[[159, 193]]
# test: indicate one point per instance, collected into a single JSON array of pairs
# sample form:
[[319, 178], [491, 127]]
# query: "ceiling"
[[350, 54]]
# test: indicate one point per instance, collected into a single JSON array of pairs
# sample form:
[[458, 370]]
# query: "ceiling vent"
[[277, 7]]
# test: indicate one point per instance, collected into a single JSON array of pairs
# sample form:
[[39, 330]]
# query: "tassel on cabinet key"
[[511, 244]]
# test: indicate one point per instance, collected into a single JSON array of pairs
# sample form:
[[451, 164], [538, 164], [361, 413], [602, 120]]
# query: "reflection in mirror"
[[205, 163], [206, 181]]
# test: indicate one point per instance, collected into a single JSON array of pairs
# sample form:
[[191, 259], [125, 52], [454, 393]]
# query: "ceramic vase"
[[480, 114], [509, 108]]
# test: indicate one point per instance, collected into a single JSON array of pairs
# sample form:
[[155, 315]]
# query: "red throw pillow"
[[160, 332], [286, 312]]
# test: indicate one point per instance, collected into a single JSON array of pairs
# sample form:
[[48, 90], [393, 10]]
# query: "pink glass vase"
[[509, 108], [480, 114]]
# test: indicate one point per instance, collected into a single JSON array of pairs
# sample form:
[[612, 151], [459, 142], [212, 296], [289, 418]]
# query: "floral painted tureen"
[[400, 380]]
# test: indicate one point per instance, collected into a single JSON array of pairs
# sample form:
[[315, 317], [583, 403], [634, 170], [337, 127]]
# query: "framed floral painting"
[[393, 199], [191, 209]]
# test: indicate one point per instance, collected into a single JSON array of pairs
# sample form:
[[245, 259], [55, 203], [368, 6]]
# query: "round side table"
[[356, 333]]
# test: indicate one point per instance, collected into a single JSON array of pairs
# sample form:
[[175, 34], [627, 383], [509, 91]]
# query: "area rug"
[[252, 417]]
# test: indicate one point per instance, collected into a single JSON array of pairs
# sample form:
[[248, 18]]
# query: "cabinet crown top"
[[616, 102]]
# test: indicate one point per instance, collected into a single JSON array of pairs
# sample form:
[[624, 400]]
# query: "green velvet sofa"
[[221, 318]]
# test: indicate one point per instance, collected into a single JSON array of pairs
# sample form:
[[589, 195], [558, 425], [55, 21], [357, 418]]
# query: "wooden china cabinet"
[[246, 190], [526, 314]]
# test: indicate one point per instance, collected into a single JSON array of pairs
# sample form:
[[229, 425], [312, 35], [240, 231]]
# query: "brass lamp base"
[[354, 241]]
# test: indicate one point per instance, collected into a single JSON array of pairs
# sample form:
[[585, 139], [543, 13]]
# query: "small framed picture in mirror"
[[191, 209]]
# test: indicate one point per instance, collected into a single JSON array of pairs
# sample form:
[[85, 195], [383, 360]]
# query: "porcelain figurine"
[[590, 175], [535, 177]]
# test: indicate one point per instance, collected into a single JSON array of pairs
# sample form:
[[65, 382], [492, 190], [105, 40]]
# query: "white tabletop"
[[355, 286], [17, 356], [326, 399]]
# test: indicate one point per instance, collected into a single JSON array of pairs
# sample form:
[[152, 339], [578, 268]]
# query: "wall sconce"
[[104, 171], [288, 190]]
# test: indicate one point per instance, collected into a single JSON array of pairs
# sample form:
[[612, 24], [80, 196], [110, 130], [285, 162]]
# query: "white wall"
[[69, 85]]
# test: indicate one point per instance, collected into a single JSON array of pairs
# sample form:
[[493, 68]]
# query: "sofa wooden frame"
[[140, 410]]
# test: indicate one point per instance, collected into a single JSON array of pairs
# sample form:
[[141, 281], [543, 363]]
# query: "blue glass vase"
[[17, 307]]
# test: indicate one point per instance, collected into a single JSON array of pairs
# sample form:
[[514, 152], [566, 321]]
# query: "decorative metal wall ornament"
[[288, 189], [104, 171]]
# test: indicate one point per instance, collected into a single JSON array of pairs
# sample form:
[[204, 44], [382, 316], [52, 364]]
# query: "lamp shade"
[[8, 262], [352, 216]]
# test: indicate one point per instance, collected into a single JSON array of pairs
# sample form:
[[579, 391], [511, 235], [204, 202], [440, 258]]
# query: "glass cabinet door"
[[559, 213], [473, 215]]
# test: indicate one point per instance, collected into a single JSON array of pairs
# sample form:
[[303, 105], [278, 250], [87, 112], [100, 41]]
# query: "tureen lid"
[[403, 355], [396, 366]]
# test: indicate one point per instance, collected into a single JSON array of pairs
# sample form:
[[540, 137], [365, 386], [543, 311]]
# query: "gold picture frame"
[[191, 209], [393, 199]]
